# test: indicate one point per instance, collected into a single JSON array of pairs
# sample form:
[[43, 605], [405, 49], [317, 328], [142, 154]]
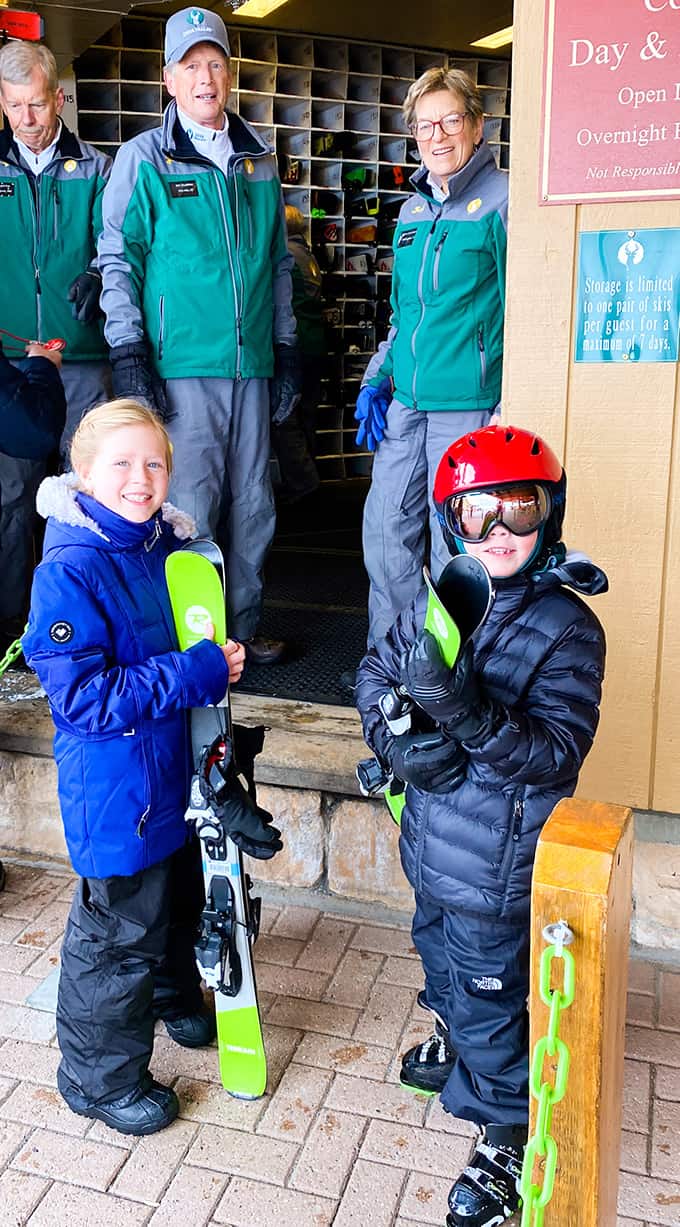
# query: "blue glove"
[[371, 414]]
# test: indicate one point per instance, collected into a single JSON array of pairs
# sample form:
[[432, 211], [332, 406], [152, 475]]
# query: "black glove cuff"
[[136, 349], [382, 742]]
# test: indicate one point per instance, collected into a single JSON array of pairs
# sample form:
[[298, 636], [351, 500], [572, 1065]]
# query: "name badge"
[[7, 189], [183, 187], [406, 237]]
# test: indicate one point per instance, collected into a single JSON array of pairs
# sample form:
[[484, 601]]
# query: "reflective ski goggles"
[[521, 508]]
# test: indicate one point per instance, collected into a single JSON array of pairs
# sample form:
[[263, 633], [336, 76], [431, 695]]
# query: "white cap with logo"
[[191, 26]]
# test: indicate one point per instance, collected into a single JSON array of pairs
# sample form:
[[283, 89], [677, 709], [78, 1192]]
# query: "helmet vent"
[[472, 441], [453, 464], [509, 436], [535, 447]]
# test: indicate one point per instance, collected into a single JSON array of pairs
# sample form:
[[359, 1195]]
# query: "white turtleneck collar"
[[38, 161], [211, 142]]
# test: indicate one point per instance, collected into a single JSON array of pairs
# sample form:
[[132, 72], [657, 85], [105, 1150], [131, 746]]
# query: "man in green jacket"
[[197, 297], [51, 186]]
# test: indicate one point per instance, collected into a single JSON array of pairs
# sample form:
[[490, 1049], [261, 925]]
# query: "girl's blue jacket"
[[102, 641]]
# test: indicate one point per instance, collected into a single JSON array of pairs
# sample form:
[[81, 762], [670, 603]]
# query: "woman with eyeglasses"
[[438, 374]]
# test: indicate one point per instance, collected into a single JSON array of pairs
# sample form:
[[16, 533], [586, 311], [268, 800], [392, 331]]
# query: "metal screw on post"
[[558, 935]]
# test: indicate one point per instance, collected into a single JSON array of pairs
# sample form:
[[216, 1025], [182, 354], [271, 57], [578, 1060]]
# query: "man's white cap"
[[191, 26]]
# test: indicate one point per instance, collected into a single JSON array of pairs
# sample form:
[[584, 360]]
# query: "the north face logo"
[[487, 984]]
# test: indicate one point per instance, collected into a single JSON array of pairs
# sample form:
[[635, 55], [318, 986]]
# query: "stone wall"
[[336, 843]]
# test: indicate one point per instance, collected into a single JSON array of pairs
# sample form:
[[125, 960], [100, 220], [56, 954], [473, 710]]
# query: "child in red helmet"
[[517, 714]]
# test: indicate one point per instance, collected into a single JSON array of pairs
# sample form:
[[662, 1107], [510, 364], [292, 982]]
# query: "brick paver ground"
[[334, 1141]]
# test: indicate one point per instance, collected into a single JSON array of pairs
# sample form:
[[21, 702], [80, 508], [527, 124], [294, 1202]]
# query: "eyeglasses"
[[519, 508], [451, 125]]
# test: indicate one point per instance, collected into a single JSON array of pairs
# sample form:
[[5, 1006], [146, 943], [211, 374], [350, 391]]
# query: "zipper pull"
[[142, 823], [37, 282], [480, 339], [155, 536]]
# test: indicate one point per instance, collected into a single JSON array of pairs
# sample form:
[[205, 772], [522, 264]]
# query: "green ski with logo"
[[230, 919]]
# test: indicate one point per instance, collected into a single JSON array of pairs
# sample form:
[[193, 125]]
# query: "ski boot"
[[487, 1192], [426, 1067]]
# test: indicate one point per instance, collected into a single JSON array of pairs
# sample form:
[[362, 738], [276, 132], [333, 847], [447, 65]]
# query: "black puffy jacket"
[[32, 408], [540, 656]]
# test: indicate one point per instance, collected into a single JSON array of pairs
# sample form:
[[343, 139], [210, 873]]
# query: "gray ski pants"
[[220, 432], [398, 505], [86, 384]]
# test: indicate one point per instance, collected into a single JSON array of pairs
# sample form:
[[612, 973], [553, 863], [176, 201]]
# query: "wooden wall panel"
[[614, 425], [540, 259], [666, 763]]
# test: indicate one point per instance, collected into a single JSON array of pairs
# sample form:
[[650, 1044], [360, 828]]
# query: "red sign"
[[17, 24], [611, 101]]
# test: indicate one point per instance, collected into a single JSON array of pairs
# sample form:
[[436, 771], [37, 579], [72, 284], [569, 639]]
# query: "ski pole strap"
[[13, 652], [541, 1144]]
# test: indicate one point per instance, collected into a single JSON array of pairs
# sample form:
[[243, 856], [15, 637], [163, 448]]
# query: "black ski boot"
[[487, 1193], [426, 1067], [195, 1031], [146, 1109]]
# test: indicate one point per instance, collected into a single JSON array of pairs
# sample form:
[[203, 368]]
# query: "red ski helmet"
[[500, 456]]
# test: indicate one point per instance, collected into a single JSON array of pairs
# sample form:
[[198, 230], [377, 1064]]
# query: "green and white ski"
[[230, 919]]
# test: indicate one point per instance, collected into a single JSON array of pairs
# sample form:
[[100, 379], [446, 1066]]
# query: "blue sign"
[[628, 305]]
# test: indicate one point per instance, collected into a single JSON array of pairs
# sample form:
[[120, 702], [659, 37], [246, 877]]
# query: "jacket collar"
[[575, 571], [176, 144], [460, 181], [68, 146], [62, 499]]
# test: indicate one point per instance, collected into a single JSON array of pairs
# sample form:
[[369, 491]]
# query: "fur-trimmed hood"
[[57, 501]]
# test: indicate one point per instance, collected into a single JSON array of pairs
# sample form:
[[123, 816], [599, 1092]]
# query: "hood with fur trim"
[[57, 501]]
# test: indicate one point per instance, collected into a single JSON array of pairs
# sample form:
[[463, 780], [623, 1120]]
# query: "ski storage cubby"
[[331, 110]]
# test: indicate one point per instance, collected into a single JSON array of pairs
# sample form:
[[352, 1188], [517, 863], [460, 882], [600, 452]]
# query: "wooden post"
[[583, 875]]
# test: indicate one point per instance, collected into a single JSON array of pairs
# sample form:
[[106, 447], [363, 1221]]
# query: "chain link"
[[13, 652], [541, 1147]]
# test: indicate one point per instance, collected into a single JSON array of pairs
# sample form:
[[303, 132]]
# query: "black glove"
[[84, 293], [452, 697], [247, 823], [429, 761], [440, 691], [131, 375], [286, 386]]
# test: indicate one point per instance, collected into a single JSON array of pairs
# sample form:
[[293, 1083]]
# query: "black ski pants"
[[477, 978], [126, 960]]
